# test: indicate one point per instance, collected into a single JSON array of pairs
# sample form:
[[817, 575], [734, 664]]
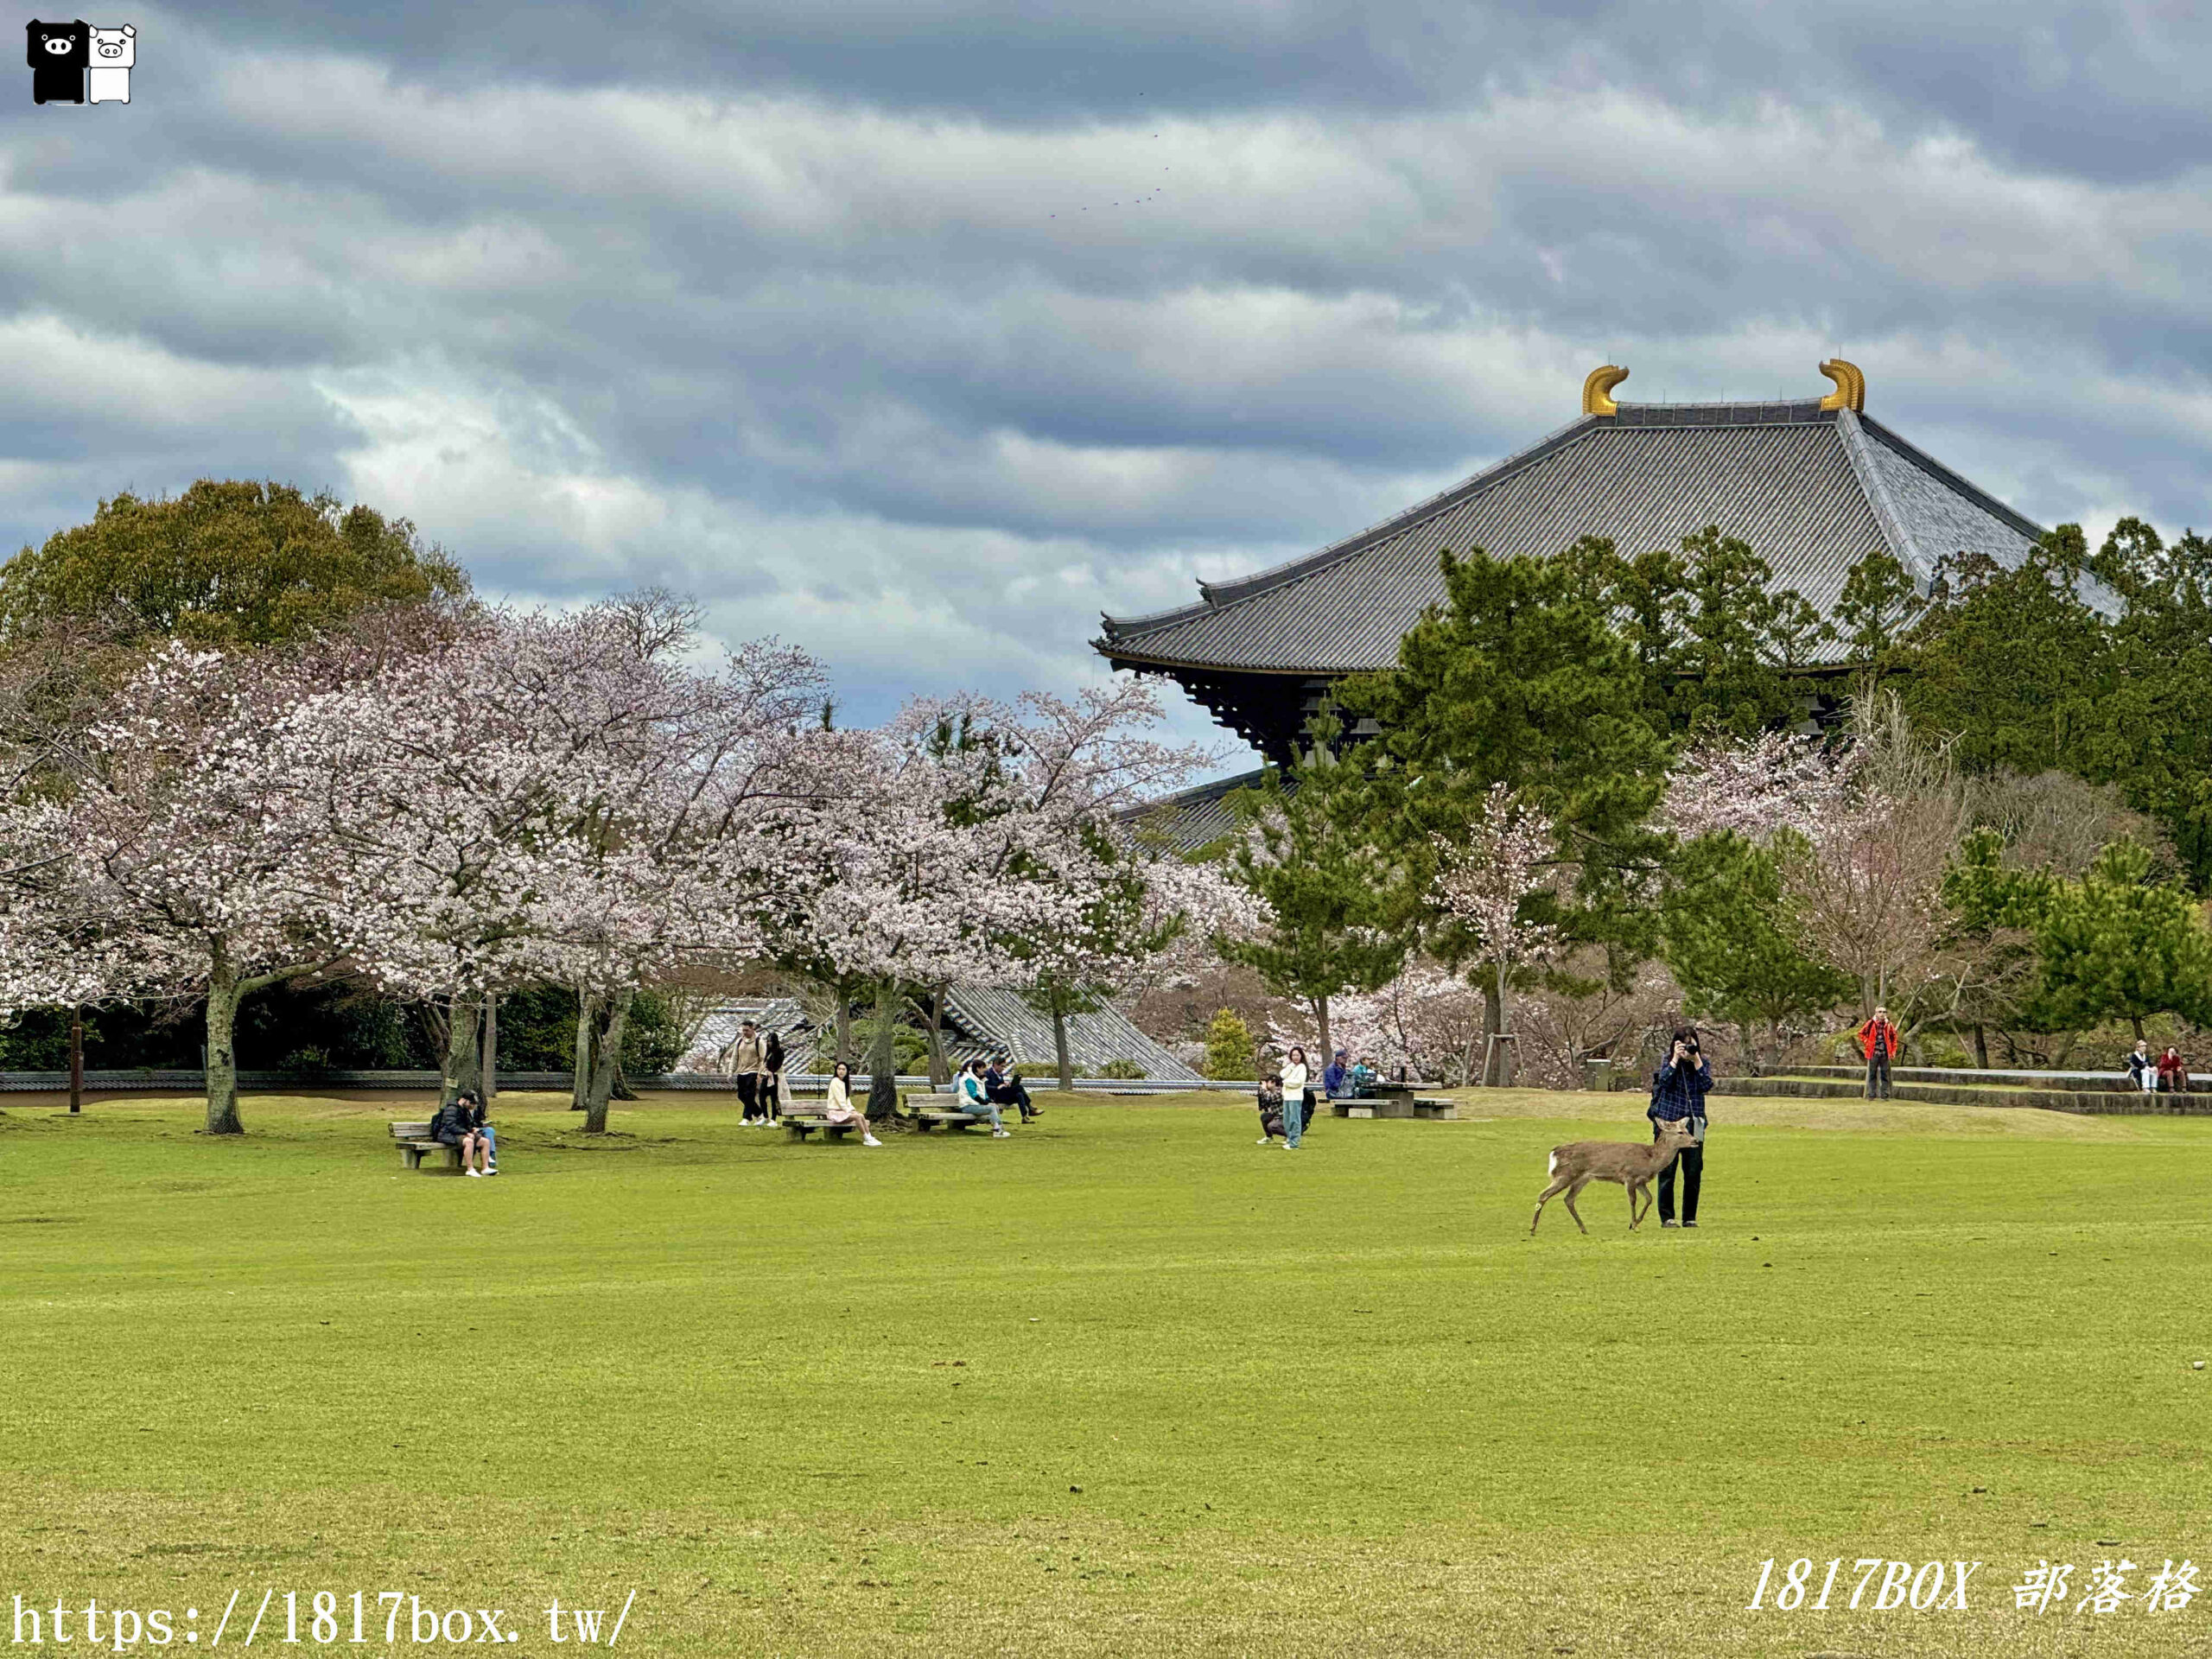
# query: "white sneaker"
[[1001, 1134], [870, 1140], [473, 1175], [1266, 1140]]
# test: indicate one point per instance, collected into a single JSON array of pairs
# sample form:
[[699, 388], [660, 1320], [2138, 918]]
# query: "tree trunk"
[[1980, 1047], [1060, 1055], [580, 1078], [223, 999], [76, 1059], [883, 1056], [490, 1070], [607, 1045], [464, 1067], [2136, 1020], [1494, 1065], [1321, 1024], [842, 1024], [940, 1068]]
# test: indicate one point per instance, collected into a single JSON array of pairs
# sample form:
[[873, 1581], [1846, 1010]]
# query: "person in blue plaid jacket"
[[1678, 1090]]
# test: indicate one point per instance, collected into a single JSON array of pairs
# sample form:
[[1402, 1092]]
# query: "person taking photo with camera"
[[1678, 1090]]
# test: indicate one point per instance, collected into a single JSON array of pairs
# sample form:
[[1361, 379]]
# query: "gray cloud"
[[920, 334]]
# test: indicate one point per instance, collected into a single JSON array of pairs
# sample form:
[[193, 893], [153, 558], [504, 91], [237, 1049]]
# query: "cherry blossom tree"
[[1757, 786], [924, 871], [1085, 766], [178, 855], [1861, 833], [564, 798], [1427, 1022], [1483, 883]]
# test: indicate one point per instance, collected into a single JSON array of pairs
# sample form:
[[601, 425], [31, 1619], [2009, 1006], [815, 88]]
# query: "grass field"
[[1124, 1384]]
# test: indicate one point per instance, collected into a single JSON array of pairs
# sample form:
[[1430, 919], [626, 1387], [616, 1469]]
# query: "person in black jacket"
[[479, 1119], [1678, 1090], [1003, 1083], [459, 1123], [771, 1076]]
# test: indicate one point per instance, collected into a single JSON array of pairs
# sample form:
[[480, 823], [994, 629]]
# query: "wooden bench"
[[416, 1145], [801, 1124], [919, 1106]]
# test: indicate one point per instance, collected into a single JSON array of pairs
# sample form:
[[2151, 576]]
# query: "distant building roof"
[[979, 1022], [1811, 489], [1193, 818], [1007, 1021]]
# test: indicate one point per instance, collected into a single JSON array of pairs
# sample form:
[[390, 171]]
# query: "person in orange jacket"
[[1878, 1038]]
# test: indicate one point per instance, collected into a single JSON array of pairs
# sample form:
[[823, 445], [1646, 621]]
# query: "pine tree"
[[1311, 856], [1521, 679]]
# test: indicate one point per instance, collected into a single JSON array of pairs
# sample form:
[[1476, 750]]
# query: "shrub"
[[652, 1042], [1123, 1071], [1052, 1068], [1229, 1056]]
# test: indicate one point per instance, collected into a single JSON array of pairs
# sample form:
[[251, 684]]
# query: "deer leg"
[[1569, 1201], [1543, 1198], [1636, 1215]]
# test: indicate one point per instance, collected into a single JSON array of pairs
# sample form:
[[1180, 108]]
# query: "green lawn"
[[1125, 1385]]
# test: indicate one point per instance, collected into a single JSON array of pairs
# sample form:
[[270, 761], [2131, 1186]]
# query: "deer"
[[1577, 1163]]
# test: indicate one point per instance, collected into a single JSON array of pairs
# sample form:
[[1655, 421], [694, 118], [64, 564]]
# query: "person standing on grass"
[[840, 1108], [969, 1095], [2142, 1068], [1878, 1038], [452, 1126], [1297, 1099], [771, 1076], [1678, 1091], [2173, 1072], [746, 1059], [1272, 1121]]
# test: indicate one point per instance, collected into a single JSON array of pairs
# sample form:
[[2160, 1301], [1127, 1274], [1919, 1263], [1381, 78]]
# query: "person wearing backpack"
[[1271, 1121], [453, 1124]]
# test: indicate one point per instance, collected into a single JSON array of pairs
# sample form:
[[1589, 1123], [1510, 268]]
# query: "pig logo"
[[59, 54], [114, 50]]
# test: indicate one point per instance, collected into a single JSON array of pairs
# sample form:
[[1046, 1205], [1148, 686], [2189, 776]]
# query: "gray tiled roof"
[[1812, 492], [1197, 817], [1005, 1020]]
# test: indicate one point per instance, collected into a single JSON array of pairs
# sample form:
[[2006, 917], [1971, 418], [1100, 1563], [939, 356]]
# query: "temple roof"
[[1811, 489]]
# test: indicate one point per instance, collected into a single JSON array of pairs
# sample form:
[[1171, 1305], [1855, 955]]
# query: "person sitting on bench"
[[1363, 1077], [454, 1125], [969, 1095], [1336, 1076], [1008, 1090], [840, 1108], [479, 1119]]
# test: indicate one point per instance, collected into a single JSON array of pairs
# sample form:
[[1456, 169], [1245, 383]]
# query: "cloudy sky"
[[918, 332]]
